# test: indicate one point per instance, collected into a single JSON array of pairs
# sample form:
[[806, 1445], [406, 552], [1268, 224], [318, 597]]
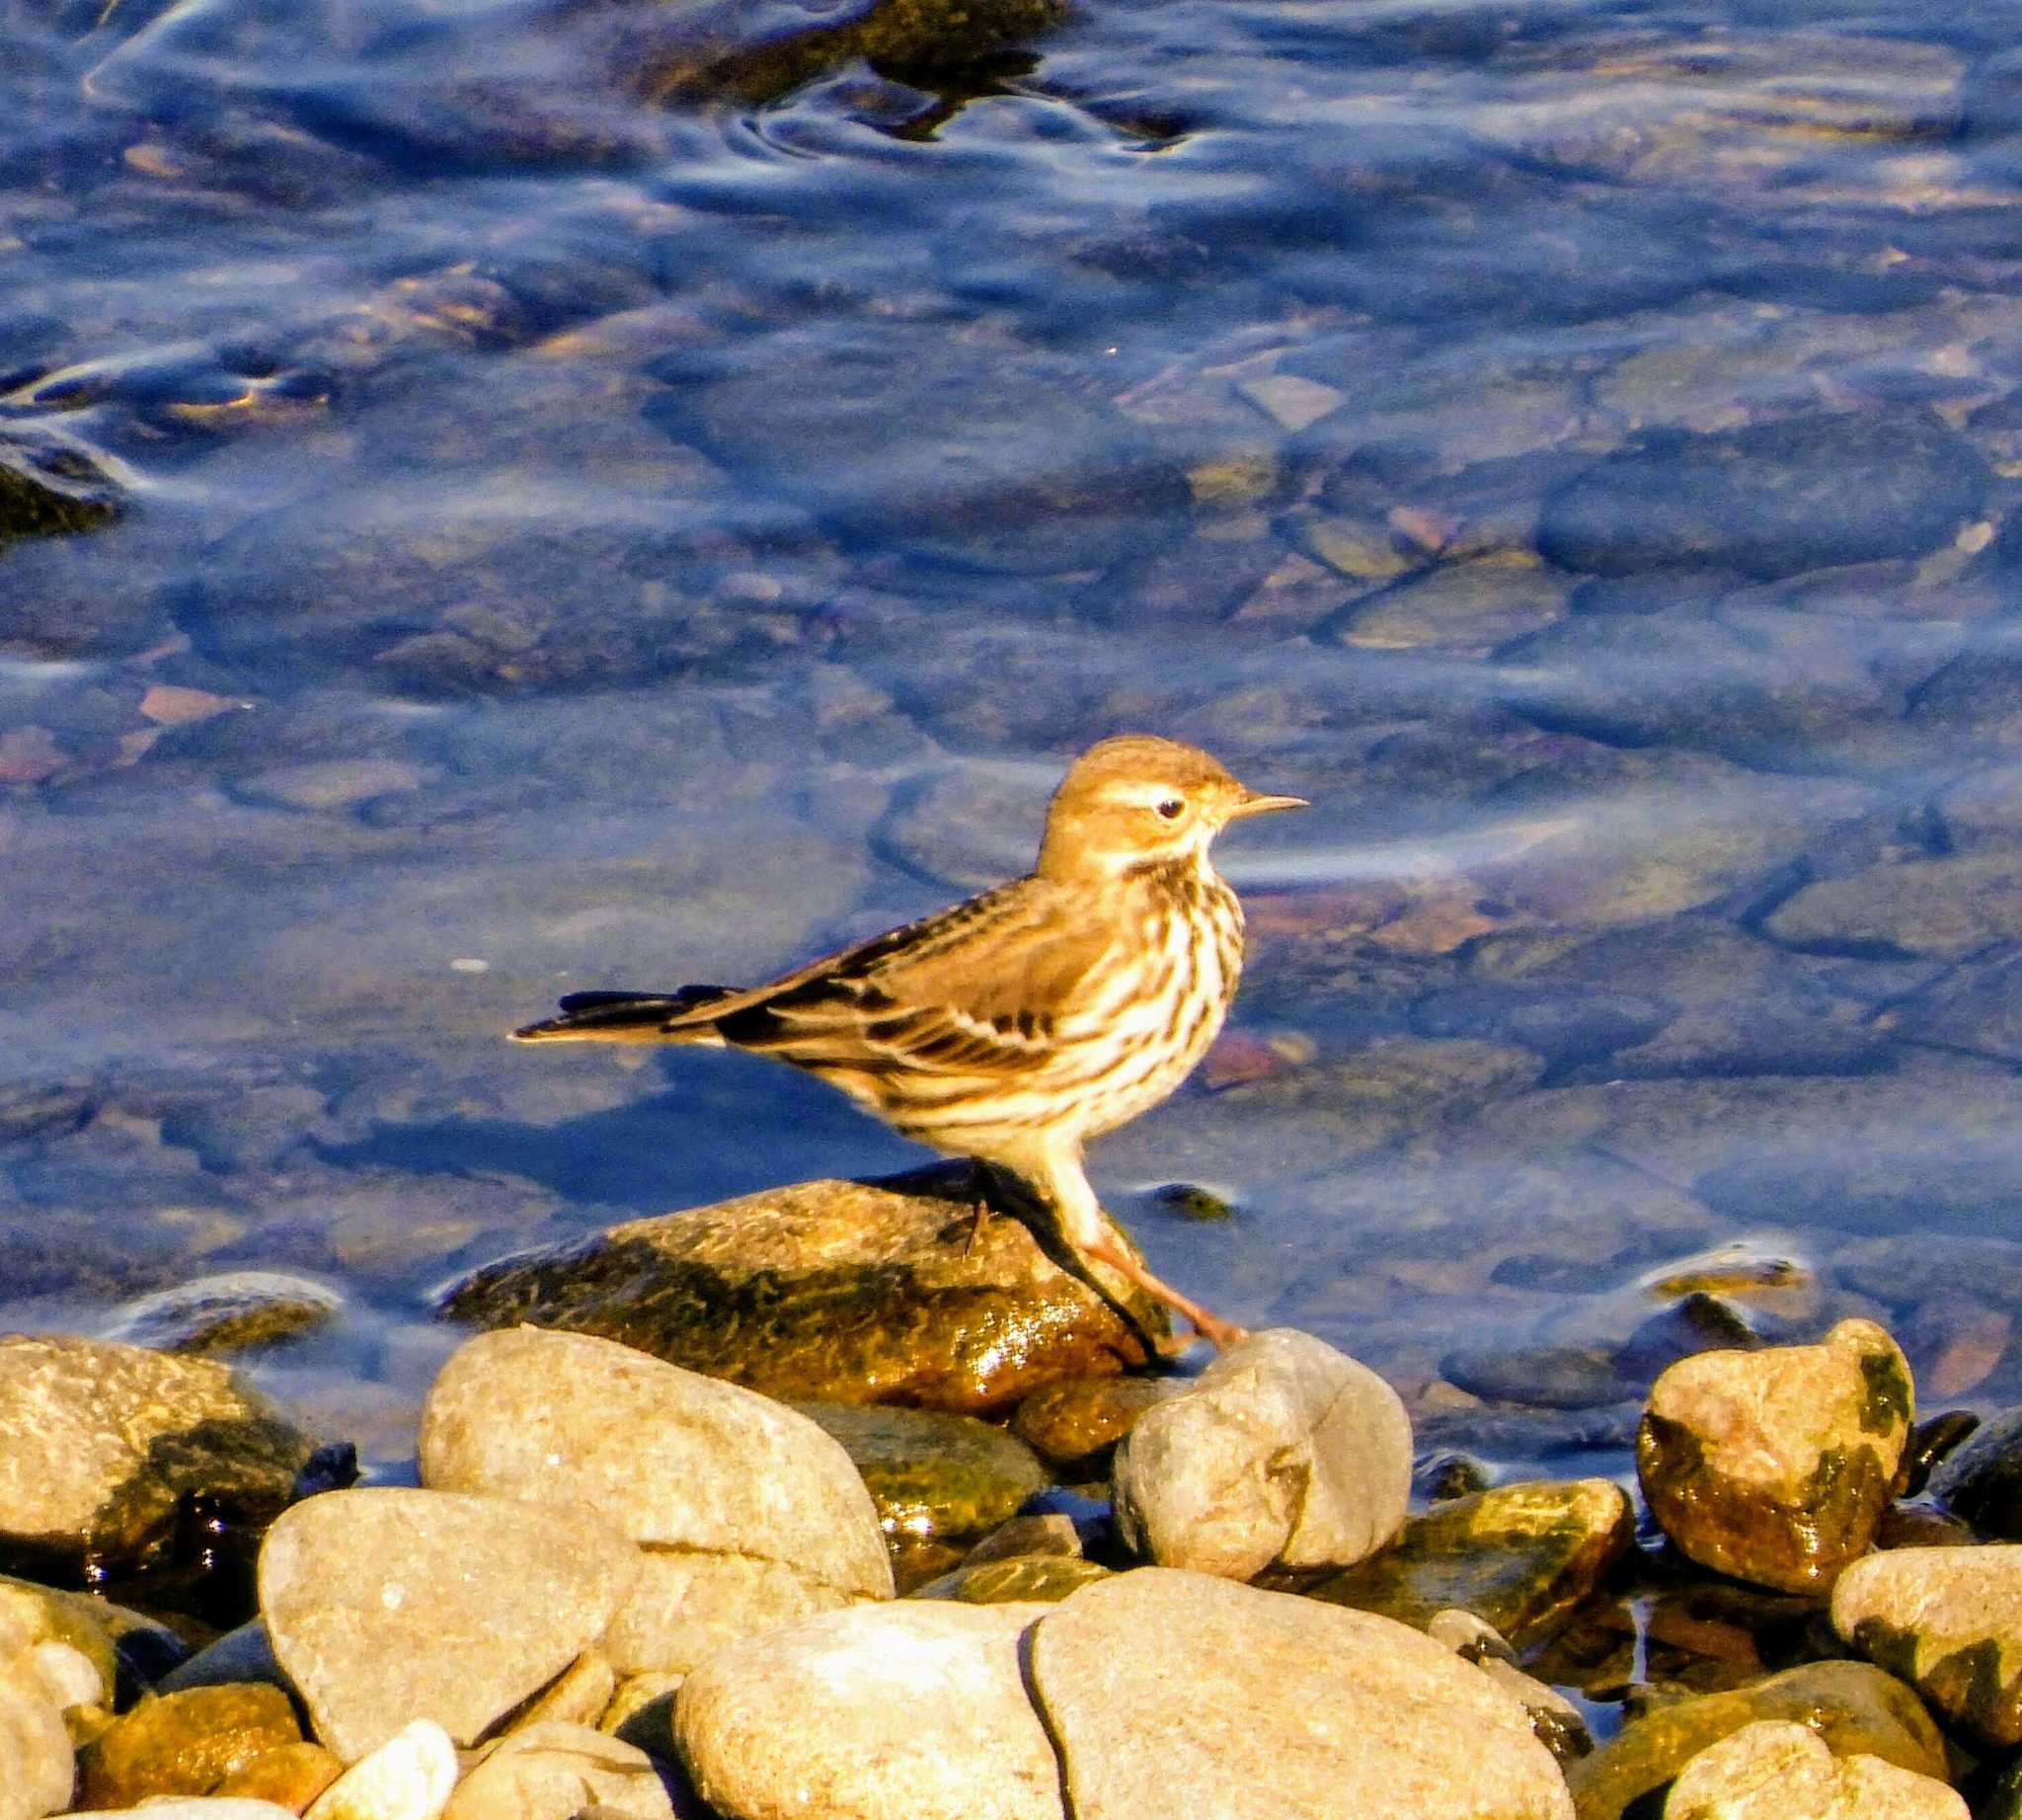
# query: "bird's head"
[[1139, 801]]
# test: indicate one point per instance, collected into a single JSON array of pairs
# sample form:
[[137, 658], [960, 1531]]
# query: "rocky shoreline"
[[624, 1587]]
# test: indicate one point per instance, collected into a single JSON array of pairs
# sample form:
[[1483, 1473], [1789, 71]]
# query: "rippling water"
[[597, 494]]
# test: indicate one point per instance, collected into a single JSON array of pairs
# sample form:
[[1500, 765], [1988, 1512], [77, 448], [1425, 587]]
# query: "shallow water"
[[565, 538]]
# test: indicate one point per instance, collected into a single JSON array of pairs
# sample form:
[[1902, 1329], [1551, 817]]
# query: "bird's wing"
[[976, 989]]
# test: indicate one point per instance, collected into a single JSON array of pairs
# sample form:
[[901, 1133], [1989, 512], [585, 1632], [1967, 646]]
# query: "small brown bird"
[[1038, 1014]]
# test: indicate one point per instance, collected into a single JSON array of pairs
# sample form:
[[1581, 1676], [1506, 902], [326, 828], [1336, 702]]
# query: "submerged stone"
[[842, 1292], [1775, 1466], [1519, 1557], [49, 486]]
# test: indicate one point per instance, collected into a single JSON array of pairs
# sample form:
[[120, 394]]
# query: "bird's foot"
[[980, 1217], [1219, 1333]]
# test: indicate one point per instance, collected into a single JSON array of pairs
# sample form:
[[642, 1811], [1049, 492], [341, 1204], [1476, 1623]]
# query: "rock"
[[1519, 1557], [1982, 1482], [234, 1311], [1468, 609], [107, 1441], [387, 1604], [37, 1767], [1074, 1426], [291, 1775], [1775, 1466], [1852, 1705], [1555, 1722], [907, 1711], [242, 1654], [1946, 1620], [1779, 1770], [1943, 909], [842, 1292], [934, 1476], [748, 1513], [548, 1771], [579, 1696], [122, 1646], [1540, 1377], [183, 1743], [333, 783], [49, 485], [1020, 1578], [1285, 1707], [201, 1807], [1283, 1451], [407, 1778], [1771, 499]]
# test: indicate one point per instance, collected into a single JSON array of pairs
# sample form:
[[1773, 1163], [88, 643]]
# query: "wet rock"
[[1853, 1707], [1519, 1557], [1944, 909], [1282, 1450], [1976, 1007], [1779, 1770], [932, 1475], [384, 1604], [235, 1311], [1075, 1425], [183, 1743], [407, 1778], [1946, 1621], [1409, 1729], [829, 1291], [1774, 1467], [37, 1769], [333, 783], [1771, 499], [121, 1646], [1542, 1377], [1696, 1323], [548, 1771], [748, 1514], [907, 1711], [291, 1776], [1975, 699], [107, 1441], [245, 1653], [49, 485], [1044, 1579], [1982, 1482]]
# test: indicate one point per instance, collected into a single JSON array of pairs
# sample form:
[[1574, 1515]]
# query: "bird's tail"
[[629, 1017]]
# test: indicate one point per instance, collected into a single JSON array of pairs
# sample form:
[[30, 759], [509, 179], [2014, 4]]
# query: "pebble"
[[1981, 1481], [387, 1605], [1775, 1466], [36, 1768], [1283, 1706], [1941, 909], [547, 1772], [748, 1513], [1779, 1770], [1074, 1426], [910, 1711], [1947, 1620], [407, 1778], [1285, 1451], [183, 1743]]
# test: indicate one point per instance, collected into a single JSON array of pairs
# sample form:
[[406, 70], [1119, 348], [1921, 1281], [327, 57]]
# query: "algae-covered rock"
[[1074, 1426], [1852, 1705], [48, 486], [105, 1443], [183, 1743], [1948, 1620], [290, 1776], [843, 1291], [1517, 1556], [1775, 1466]]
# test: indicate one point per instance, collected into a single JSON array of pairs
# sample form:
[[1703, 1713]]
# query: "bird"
[[1018, 1024]]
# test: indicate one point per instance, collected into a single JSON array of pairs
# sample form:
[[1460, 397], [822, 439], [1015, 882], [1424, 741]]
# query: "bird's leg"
[[981, 1180], [1087, 1228]]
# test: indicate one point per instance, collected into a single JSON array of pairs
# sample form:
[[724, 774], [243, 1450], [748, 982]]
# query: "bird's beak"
[[1255, 802]]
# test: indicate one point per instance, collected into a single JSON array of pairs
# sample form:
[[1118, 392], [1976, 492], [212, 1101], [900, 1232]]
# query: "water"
[[602, 499]]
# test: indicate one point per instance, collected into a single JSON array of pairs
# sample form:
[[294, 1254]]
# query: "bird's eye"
[[1172, 808]]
